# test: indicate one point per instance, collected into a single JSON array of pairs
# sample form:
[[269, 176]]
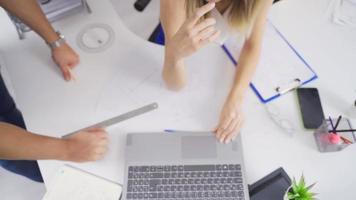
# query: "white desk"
[[53, 107]]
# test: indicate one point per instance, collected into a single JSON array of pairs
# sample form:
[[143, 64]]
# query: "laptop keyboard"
[[208, 182]]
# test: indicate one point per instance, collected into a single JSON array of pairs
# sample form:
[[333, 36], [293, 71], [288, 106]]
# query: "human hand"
[[230, 122], [193, 34], [87, 145], [66, 59]]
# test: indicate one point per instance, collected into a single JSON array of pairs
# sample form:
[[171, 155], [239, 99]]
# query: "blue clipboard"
[[295, 82]]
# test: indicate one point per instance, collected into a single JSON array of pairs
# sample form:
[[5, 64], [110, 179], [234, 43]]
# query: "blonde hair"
[[241, 13]]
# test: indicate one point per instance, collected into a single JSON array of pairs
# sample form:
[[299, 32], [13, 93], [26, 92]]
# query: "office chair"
[[54, 10]]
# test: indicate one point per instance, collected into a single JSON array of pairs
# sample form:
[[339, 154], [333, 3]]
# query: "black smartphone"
[[310, 106]]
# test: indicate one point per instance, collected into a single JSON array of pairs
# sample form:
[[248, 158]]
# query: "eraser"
[[334, 138]]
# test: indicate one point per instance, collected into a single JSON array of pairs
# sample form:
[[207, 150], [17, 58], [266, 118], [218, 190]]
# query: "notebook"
[[74, 184]]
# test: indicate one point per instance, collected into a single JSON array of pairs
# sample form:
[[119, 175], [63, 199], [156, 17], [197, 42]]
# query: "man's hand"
[[66, 59], [87, 145]]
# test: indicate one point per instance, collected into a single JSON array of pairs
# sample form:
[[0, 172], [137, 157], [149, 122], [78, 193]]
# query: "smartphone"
[[310, 106]]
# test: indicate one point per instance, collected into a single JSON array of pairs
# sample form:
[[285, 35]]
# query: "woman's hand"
[[231, 120], [192, 35]]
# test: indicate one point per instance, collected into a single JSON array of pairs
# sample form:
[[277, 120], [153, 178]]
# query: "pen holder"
[[330, 142]]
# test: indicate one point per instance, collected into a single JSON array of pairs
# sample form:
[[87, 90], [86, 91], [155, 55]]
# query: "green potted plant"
[[299, 191]]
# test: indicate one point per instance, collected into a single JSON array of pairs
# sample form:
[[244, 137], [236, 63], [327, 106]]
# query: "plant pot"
[[285, 197]]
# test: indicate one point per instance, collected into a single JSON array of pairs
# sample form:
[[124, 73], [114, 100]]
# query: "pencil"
[[346, 140]]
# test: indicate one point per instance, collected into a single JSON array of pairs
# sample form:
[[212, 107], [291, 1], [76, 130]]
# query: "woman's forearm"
[[184, 36], [173, 71], [246, 68], [250, 54], [172, 16], [16, 143]]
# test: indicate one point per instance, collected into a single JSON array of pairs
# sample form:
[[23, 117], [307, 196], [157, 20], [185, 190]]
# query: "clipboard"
[[281, 68]]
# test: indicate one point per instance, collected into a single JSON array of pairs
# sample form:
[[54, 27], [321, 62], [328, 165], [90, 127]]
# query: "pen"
[[340, 131], [337, 122], [331, 123], [334, 131]]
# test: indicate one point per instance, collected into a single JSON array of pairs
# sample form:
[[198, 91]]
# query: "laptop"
[[184, 165]]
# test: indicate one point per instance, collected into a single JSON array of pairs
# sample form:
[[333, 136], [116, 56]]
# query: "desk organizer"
[[326, 141]]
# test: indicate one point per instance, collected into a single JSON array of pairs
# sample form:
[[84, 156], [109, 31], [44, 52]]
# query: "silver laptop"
[[183, 165]]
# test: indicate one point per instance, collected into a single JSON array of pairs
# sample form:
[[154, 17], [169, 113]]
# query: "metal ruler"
[[120, 118]]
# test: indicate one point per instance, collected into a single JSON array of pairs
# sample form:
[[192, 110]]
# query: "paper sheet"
[[74, 184], [207, 86]]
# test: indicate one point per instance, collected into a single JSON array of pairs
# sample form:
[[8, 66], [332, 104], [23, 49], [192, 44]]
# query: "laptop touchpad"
[[199, 147]]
